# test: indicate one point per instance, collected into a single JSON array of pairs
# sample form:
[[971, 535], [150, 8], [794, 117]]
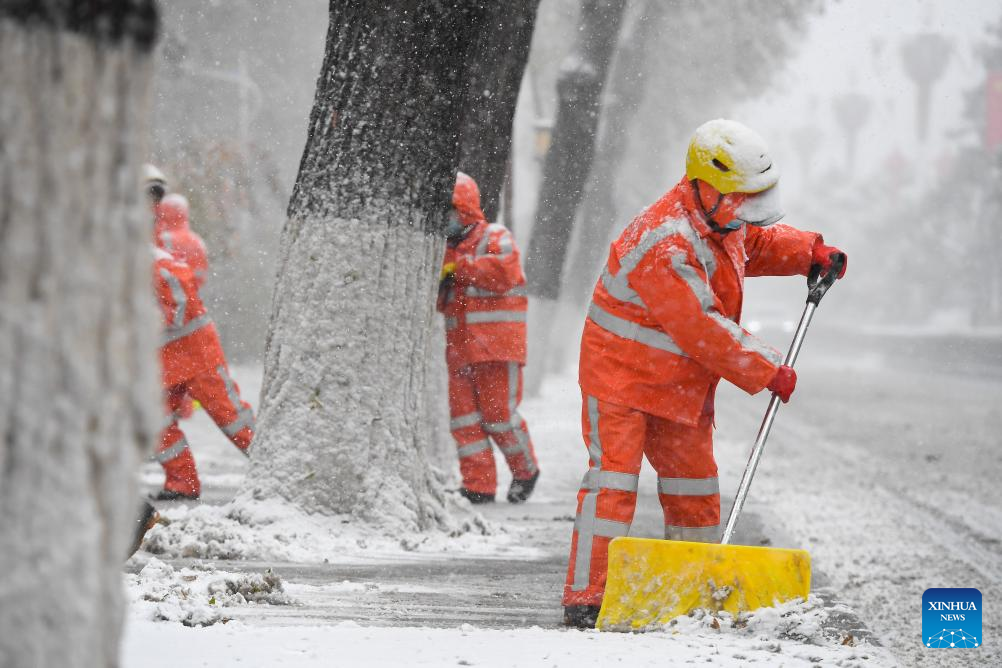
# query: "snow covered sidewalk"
[[272, 589], [350, 644]]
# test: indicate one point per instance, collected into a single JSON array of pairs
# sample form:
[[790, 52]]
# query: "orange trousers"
[[483, 404], [617, 438], [220, 397]]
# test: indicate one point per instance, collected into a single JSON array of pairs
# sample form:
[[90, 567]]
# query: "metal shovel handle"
[[817, 285]]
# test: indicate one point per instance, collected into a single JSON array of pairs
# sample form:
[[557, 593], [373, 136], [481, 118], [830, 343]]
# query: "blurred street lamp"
[[851, 111], [542, 132], [925, 56]]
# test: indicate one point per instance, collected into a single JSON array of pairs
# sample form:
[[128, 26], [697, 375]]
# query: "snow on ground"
[[197, 597], [489, 597], [763, 640], [272, 530]]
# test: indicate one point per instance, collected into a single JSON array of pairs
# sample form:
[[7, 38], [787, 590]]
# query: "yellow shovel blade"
[[651, 581]]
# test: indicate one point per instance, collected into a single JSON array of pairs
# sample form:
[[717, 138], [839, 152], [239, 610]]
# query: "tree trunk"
[[343, 422], [565, 170], [495, 75], [579, 91], [79, 395], [598, 215]]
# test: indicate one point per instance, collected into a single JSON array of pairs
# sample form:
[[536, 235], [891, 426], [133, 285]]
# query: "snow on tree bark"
[[495, 76], [627, 84], [343, 421], [568, 161], [565, 171], [79, 396]]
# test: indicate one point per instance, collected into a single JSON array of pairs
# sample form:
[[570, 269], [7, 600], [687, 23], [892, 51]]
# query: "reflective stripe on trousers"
[[471, 449], [709, 534], [587, 524], [690, 487], [483, 317], [516, 424], [172, 452], [174, 333], [467, 420], [170, 419], [245, 416]]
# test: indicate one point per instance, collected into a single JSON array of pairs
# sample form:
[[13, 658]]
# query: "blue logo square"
[[951, 618]]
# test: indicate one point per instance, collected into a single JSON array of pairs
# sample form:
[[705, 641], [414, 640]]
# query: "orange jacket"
[[173, 233], [485, 308], [662, 326], [190, 344]]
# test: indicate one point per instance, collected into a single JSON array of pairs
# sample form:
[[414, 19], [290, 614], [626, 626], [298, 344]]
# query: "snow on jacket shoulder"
[[485, 313], [662, 328], [190, 343]]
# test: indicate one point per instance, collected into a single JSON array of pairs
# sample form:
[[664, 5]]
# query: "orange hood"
[[172, 214], [466, 199]]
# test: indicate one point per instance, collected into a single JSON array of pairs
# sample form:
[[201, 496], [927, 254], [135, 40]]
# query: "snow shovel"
[[651, 581]]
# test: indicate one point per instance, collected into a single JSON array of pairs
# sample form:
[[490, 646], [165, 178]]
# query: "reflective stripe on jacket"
[[186, 246], [485, 311], [662, 328], [190, 344]]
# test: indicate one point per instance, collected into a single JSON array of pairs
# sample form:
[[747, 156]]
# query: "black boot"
[[476, 497], [171, 495], [148, 517], [521, 490], [581, 616]]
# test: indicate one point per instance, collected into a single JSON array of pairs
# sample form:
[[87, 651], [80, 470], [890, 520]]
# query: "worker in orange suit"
[[482, 296], [662, 329], [193, 364], [172, 232]]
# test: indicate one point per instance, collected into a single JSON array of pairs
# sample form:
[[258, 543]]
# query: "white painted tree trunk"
[[341, 426], [351, 406], [79, 397], [441, 446]]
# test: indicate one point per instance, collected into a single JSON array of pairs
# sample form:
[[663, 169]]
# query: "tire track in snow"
[[880, 541], [950, 533]]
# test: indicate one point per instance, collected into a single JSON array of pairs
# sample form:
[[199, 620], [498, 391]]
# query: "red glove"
[[783, 382], [822, 254]]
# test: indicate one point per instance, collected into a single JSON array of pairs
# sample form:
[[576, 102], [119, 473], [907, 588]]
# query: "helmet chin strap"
[[714, 225]]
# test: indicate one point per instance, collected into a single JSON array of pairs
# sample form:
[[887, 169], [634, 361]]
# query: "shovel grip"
[[818, 283]]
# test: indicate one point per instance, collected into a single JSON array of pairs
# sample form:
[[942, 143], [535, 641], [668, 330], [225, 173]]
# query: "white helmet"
[[154, 182]]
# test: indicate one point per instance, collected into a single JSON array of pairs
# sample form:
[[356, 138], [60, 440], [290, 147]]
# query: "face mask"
[[454, 228], [759, 209], [723, 206]]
